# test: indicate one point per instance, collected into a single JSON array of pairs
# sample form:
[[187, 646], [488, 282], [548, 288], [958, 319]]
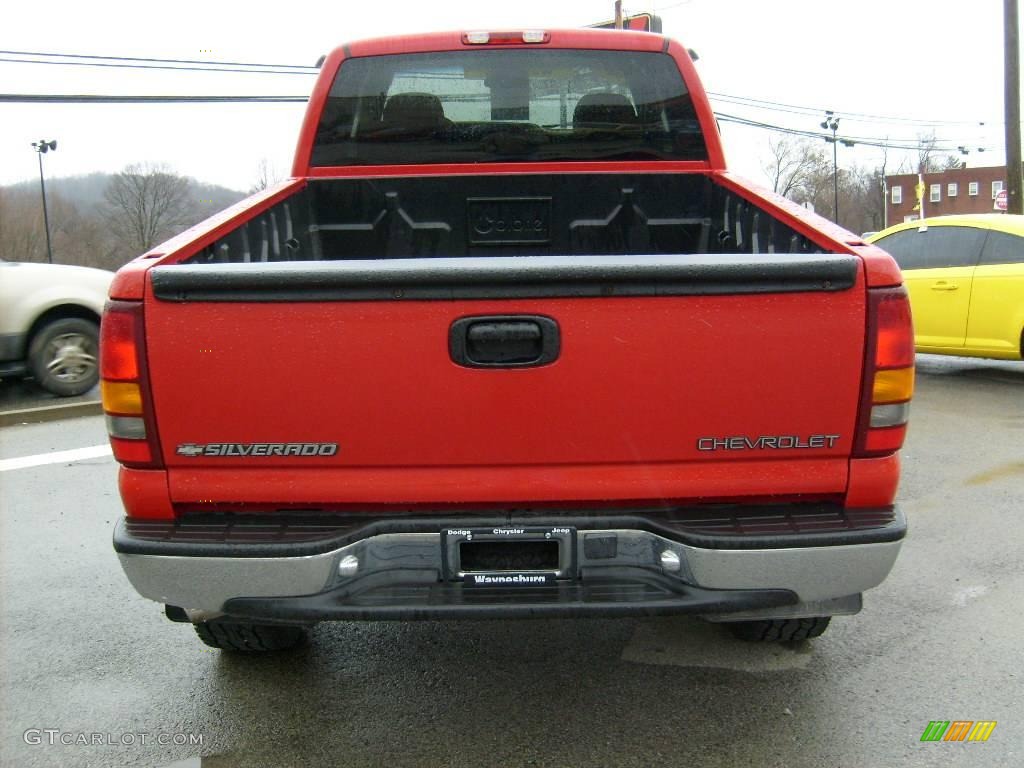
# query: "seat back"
[[603, 109], [414, 111]]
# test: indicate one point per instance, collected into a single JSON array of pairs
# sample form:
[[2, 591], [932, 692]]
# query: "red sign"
[[1000, 203], [641, 22]]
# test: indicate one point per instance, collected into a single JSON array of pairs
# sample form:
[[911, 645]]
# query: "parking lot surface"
[[81, 653]]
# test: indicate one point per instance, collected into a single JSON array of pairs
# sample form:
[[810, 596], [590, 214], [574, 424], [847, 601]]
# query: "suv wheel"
[[780, 630], [249, 638], [64, 356]]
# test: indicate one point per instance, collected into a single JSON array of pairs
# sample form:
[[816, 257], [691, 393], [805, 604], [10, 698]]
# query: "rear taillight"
[[124, 386], [888, 373]]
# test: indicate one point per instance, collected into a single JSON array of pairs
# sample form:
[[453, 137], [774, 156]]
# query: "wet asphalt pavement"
[[17, 394], [941, 639]]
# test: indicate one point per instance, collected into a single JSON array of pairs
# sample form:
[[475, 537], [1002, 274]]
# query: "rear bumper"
[[397, 569]]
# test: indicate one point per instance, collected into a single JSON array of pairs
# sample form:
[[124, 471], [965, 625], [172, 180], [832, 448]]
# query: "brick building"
[[960, 190]]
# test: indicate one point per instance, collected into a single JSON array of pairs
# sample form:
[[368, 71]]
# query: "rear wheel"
[[249, 638], [780, 630], [64, 356]]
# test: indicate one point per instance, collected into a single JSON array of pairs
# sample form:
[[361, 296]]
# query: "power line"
[[887, 140], [136, 99], [801, 109], [154, 66], [92, 98], [297, 69], [30, 98], [147, 58], [868, 142]]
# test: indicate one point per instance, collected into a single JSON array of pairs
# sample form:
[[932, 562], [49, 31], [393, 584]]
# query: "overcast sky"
[[909, 62]]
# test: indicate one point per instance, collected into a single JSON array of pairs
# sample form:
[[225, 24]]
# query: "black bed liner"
[[507, 215]]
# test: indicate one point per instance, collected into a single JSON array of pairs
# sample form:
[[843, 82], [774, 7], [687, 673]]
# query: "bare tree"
[[792, 167], [21, 226], [146, 204], [266, 176], [929, 158], [861, 202], [951, 163], [801, 170], [925, 151]]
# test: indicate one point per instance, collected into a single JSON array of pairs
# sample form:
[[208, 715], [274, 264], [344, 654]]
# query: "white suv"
[[49, 324]]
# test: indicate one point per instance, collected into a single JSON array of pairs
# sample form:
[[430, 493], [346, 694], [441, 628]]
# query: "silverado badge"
[[257, 449]]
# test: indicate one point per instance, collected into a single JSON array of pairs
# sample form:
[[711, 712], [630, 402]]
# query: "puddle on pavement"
[[999, 473]]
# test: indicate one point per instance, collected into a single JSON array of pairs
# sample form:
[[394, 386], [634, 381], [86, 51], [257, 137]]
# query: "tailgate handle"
[[504, 341]]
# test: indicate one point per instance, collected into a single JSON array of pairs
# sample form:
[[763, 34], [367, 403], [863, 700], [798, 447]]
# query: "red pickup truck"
[[510, 342]]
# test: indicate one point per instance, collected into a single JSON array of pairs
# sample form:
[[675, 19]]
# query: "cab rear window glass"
[[934, 247], [508, 106]]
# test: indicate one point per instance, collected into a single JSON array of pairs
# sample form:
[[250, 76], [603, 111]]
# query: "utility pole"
[[618, 14], [1011, 101], [42, 147]]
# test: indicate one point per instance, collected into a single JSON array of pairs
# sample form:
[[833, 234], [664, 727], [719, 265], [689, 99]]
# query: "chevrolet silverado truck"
[[511, 342]]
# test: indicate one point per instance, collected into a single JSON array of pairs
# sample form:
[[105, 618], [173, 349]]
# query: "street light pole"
[[42, 147], [831, 123]]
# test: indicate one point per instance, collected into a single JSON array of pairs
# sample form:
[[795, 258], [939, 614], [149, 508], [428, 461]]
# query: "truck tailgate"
[[677, 379]]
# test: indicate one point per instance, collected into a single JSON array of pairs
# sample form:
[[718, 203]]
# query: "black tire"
[[249, 638], [780, 630], [64, 356]]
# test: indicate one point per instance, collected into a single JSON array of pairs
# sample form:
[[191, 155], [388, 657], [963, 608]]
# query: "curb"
[[50, 413]]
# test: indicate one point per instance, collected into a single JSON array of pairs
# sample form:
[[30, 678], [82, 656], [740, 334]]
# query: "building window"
[[997, 187], [951, 190], [897, 195], [935, 193], [972, 189]]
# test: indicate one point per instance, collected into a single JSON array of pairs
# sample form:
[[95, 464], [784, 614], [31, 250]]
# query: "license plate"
[[508, 556]]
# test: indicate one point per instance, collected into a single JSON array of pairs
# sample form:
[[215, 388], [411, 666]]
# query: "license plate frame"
[[451, 558]]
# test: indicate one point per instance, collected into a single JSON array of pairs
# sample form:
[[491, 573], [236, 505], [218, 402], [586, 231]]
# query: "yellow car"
[[965, 275]]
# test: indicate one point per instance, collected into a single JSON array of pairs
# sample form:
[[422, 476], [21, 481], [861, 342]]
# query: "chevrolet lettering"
[[765, 442]]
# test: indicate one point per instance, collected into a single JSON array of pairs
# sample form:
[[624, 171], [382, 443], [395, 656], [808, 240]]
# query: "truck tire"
[[249, 638], [64, 356], [780, 630]]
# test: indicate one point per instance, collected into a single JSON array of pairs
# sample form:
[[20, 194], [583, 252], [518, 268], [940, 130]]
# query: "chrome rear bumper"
[[617, 571]]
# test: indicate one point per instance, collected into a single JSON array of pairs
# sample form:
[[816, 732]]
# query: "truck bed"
[[521, 215]]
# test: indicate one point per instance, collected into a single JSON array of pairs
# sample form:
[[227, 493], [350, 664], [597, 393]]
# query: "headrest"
[[414, 110], [604, 108]]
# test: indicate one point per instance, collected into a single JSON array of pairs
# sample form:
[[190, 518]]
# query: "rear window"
[[507, 106]]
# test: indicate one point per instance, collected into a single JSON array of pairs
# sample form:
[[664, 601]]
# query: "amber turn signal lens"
[[122, 397], [893, 386]]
